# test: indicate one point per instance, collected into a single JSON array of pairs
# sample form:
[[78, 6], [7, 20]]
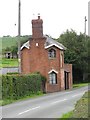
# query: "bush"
[[0, 87], [17, 86], [12, 73]]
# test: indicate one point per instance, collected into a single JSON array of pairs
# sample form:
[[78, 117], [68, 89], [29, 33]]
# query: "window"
[[53, 78], [52, 53], [61, 60]]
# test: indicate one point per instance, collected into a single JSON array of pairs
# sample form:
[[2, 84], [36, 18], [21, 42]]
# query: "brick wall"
[[68, 68], [35, 59], [37, 28], [25, 64]]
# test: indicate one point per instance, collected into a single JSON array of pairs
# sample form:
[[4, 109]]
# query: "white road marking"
[[69, 92], [29, 110], [51, 103], [77, 94], [66, 99], [58, 101]]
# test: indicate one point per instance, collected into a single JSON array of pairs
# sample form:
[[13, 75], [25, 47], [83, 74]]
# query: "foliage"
[[89, 59], [67, 115], [11, 43], [0, 87], [77, 51], [80, 85], [80, 110], [12, 73], [14, 50], [17, 86], [81, 107], [9, 101]]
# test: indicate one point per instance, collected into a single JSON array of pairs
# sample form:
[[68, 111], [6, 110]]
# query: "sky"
[[57, 15]]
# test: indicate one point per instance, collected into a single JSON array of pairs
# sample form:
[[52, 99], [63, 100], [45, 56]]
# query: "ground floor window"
[[53, 78]]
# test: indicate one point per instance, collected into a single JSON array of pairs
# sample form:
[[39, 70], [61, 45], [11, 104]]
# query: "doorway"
[[66, 79]]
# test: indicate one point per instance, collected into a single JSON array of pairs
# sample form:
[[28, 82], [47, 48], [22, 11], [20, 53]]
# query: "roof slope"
[[49, 43]]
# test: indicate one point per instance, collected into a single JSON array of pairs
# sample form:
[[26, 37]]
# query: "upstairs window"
[[52, 53], [61, 59], [53, 78]]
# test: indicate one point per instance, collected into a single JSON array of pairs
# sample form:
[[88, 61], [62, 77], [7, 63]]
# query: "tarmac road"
[[7, 70], [51, 105]]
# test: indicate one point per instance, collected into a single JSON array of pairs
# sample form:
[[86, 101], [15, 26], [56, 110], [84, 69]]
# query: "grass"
[[67, 115], [1, 102], [81, 107], [80, 85], [8, 62], [9, 41], [80, 110], [9, 101]]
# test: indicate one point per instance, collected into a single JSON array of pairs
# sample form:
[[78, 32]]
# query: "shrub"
[[12, 73], [18, 86], [0, 87]]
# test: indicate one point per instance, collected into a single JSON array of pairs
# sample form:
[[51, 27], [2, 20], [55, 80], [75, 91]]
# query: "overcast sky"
[[57, 15]]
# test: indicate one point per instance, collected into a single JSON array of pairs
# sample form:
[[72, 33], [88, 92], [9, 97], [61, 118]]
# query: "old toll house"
[[45, 55]]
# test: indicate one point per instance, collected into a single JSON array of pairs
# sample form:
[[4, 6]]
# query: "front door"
[[66, 80]]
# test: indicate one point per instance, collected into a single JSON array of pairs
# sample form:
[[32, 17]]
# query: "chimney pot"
[[38, 15], [37, 27]]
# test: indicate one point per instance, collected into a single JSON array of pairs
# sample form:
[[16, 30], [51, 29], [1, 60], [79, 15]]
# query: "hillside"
[[8, 41]]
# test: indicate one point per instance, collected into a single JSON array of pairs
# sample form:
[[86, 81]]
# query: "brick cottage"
[[45, 55]]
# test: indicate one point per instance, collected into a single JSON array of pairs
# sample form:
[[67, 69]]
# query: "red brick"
[[35, 59]]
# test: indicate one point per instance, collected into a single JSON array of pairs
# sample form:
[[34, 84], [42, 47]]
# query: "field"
[[9, 41], [8, 62]]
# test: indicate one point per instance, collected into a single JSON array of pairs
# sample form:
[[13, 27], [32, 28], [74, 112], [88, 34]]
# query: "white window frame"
[[52, 53], [53, 78]]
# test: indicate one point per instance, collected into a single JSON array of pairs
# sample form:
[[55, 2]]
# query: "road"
[[7, 70], [51, 105]]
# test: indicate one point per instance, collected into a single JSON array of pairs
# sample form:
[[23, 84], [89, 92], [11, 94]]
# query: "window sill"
[[53, 84], [51, 58]]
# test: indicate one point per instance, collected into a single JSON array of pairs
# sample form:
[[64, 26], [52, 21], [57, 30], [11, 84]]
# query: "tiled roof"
[[49, 43]]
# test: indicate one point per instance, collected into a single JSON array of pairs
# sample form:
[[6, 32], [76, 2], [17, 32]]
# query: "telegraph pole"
[[19, 18], [89, 18], [85, 26], [19, 33]]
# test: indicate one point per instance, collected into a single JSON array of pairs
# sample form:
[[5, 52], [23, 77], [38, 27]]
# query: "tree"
[[76, 53], [14, 50]]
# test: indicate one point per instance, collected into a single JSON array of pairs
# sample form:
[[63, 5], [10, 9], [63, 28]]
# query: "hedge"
[[17, 86], [0, 87]]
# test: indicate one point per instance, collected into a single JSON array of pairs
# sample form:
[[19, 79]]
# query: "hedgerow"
[[17, 86]]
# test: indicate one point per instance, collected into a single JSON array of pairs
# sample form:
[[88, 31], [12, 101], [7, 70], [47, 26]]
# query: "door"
[[66, 79]]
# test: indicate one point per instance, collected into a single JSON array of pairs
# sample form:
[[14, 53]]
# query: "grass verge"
[[81, 107], [9, 101], [67, 115], [80, 110], [80, 85]]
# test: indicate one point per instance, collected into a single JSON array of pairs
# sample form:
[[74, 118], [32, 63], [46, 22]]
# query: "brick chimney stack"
[[37, 28]]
